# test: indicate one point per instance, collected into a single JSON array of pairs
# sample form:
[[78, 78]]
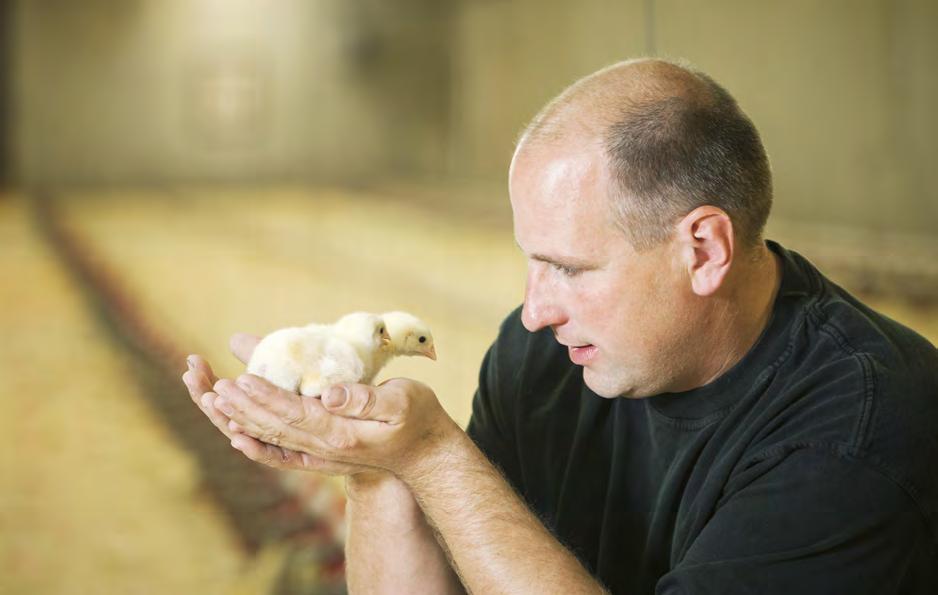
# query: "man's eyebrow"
[[559, 260]]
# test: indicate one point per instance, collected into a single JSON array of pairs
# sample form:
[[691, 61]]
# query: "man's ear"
[[705, 238]]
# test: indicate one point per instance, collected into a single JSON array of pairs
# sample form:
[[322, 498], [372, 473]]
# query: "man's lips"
[[579, 354], [582, 354]]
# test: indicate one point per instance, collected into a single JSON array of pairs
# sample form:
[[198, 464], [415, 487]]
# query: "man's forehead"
[[564, 229], [557, 175]]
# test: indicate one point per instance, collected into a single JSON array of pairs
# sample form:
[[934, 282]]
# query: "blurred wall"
[[151, 91], [514, 56], [842, 91], [250, 90]]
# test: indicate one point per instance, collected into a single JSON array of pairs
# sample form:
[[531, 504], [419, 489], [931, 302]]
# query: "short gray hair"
[[674, 143]]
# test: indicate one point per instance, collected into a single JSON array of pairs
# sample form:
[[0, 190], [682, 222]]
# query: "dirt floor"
[[96, 494], [95, 497]]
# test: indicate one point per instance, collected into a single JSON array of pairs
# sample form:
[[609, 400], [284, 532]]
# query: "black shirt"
[[809, 467]]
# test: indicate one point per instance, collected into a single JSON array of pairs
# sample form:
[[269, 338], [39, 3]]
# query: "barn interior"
[[173, 171]]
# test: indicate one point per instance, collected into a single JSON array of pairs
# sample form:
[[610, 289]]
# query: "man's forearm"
[[496, 542], [390, 548]]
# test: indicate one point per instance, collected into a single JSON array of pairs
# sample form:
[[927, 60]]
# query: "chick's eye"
[[422, 339], [381, 331]]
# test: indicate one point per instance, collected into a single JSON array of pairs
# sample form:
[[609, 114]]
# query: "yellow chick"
[[409, 335], [353, 349], [311, 358]]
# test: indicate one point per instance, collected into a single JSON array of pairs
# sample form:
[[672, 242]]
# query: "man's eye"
[[567, 271]]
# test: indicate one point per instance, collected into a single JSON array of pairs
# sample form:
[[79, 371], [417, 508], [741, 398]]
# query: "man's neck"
[[738, 320]]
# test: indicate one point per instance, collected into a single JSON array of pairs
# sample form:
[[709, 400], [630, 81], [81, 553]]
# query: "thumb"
[[360, 401], [242, 345]]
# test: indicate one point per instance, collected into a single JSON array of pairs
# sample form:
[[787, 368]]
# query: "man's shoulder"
[[897, 370], [860, 384], [837, 331], [892, 366]]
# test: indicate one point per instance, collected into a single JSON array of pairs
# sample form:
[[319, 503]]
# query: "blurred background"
[[173, 171]]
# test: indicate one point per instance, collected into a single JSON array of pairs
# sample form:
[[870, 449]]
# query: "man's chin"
[[603, 386]]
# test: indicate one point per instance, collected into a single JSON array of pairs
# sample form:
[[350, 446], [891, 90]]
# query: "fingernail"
[[336, 397], [189, 363]]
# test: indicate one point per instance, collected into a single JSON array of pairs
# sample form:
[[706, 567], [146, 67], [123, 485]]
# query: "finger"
[[200, 391], [199, 364], [385, 403], [197, 384], [218, 419], [258, 421], [268, 454], [297, 422], [239, 409], [284, 404], [284, 458], [242, 345]]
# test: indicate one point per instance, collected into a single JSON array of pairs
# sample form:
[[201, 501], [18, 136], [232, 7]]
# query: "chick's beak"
[[431, 353], [385, 340]]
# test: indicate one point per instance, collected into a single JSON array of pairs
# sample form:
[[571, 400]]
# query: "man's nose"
[[540, 307]]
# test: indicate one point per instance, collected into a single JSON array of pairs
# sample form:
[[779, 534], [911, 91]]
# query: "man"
[[679, 406]]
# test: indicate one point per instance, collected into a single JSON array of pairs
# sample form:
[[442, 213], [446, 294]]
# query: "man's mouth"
[[582, 354]]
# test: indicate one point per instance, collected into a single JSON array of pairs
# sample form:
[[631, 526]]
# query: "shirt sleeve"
[[811, 522]]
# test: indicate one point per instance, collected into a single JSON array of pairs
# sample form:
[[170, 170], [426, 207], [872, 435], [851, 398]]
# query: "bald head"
[[673, 140]]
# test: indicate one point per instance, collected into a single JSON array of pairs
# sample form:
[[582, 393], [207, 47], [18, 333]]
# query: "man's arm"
[[389, 547], [496, 543]]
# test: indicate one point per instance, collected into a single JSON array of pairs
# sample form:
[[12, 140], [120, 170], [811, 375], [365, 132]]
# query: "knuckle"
[[357, 392], [274, 436], [269, 458], [296, 416], [369, 403], [363, 399], [207, 400], [344, 441], [249, 384], [225, 404]]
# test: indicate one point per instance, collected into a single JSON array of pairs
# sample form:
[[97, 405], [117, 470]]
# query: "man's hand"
[[399, 426], [200, 378], [390, 545]]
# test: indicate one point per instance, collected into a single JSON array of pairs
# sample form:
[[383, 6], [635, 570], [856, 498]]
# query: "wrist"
[[441, 450], [379, 490], [375, 483], [378, 498]]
